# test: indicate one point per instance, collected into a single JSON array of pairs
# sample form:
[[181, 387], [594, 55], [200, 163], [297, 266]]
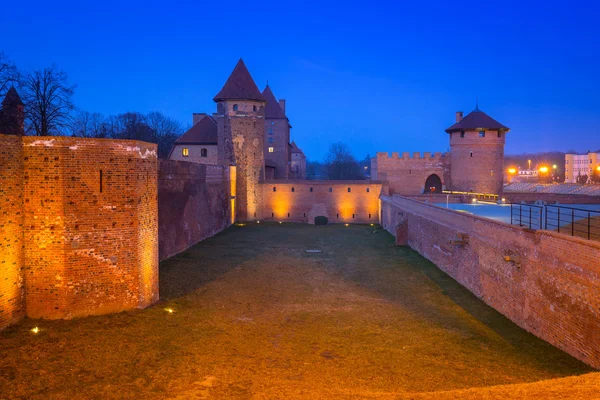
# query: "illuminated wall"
[[339, 201], [12, 287]]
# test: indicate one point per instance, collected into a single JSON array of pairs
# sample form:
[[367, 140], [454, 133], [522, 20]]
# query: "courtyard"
[[250, 313]]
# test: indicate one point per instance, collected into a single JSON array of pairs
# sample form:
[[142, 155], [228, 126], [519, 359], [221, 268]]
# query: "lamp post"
[[511, 173]]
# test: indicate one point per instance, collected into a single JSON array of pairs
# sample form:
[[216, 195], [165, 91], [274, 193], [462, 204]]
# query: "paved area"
[[256, 316]]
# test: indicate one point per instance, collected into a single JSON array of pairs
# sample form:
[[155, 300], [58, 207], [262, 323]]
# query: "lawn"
[[257, 316]]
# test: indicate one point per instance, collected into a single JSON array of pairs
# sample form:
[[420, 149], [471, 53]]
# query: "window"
[[311, 189], [235, 107], [462, 134], [254, 108], [270, 131], [274, 188], [349, 190], [293, 190], [481, 133], [270, 140], [185, 152], [330, 190], [499, 134], [471, 154], [368, 190], [270, 149], [203, 153]]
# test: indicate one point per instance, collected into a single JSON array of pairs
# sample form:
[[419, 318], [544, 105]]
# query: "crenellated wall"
[[407, 175], [545, 282], [194, 204], [90, 226], [339, 201]]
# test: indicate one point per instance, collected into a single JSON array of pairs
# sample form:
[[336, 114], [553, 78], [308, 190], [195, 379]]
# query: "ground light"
[[35, 330], [169, 310], [347, 224]]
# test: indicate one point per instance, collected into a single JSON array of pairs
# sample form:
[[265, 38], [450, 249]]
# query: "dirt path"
[[256, 316]]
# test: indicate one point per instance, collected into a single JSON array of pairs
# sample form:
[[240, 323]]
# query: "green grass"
[[257, 316]]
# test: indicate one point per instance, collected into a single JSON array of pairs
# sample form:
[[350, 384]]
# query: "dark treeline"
[[339, 164], [50, 111]]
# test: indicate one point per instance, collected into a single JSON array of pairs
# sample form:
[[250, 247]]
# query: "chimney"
[[282, 104], [459, 115], [197, 117]]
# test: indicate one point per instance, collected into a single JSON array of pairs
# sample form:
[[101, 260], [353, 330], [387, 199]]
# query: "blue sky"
[[380, 76]]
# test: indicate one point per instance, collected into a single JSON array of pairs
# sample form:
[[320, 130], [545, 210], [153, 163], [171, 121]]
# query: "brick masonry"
[[193, 204], [90, 226], [545, 282], [339, 201]]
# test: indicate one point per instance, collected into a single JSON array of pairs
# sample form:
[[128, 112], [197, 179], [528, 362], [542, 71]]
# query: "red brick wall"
[[339, 205], [512, 197], [406, 175], [90, 248], [551, 288], [193, 204], [12, 287]]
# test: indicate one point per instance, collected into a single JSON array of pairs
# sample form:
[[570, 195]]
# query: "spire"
[[239, 86], [272, 109], [12, 98], [476, 103]]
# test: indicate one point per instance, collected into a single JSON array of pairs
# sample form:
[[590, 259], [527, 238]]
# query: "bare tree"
[[166, 131], [9, 75], [88, 125], [341, 164], [48, 101]]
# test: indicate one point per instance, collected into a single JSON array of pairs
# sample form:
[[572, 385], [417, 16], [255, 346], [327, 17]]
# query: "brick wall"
[[12, 285], [406, 175], [548, 286], [327, 198], [193, 204]]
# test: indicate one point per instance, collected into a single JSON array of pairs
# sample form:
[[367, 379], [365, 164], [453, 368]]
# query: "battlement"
[[407, 155]]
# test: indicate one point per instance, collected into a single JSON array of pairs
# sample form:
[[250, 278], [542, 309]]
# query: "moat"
[[250, 313]]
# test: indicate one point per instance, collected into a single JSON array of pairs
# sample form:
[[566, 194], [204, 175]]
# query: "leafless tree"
[[88, 125], [166, 130], [9, 75], [48, 101], [341, 164]]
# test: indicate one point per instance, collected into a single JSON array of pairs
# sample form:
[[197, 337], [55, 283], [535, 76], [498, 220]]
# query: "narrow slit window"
[[349, 190], [100, 181]]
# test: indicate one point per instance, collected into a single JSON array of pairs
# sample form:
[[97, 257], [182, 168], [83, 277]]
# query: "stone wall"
[[12, 283], [406, 175], [545, 282], [339, 201], [194, 203], [90, 215]]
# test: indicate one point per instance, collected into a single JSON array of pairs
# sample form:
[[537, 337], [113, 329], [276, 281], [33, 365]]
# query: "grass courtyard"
[[256, 316]]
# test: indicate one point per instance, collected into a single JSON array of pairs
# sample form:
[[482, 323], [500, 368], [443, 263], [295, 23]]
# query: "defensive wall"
[[545, 282], [339, 201], [78, 227], [407, 175], [194, 204]]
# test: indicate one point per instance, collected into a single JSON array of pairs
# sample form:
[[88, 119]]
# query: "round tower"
[[240, 132], [477, 153]]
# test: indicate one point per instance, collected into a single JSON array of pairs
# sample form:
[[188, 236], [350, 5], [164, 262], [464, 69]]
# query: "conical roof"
[[239, 86], [272, 109], [12, 98], [477, 120]]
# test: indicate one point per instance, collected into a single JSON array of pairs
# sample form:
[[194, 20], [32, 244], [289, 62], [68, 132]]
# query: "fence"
[[571, 221]]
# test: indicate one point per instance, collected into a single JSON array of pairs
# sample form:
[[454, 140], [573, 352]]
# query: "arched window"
[[235, 107], [254, 108], [203, 153]]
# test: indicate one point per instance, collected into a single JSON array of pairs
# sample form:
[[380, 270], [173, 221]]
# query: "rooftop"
[[239, 86], [477, 120]]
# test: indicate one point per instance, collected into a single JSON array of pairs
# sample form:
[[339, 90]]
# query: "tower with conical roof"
[[477, 153], [240, 132], [12, 117]]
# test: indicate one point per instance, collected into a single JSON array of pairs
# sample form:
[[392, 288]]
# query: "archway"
[[433, 184]]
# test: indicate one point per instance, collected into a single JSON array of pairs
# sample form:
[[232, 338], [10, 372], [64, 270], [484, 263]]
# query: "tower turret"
[[477, 151], [240, 131], [12, 117]]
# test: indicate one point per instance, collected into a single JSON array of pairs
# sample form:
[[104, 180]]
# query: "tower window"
[[270, 140], [462, 134], [470, 154], [254, 108], [499, 134], [185, 152], [203, 153], [270, 149], [481, 133], [235, 107]]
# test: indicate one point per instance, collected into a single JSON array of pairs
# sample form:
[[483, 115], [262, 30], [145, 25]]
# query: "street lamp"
[[543, 170], [529, 162]]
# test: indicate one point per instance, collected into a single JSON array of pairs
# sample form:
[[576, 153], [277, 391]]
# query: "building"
[[298, 162], [577, 165], [200, 143]]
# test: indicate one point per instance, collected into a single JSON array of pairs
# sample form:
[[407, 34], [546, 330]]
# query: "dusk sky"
[[384, 76]]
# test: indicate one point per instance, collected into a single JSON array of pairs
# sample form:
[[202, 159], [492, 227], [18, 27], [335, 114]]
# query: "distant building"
[[298, 163], [199, 143], [580, 164]]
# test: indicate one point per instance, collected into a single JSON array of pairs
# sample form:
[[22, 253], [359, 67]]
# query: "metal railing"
[[573, 221], [527, 215]]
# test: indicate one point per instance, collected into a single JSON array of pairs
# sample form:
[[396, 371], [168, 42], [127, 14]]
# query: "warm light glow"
[[555, 166], [169, 310], [598, 168], [372, 224], [280, 222], [474, 200], [347, 224], [258, 222], [241, 224], [512, 170], [35, 330], [543, 169]]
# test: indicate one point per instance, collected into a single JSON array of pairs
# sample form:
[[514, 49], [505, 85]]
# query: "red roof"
[[295, 148], [204, 132], [239, 86], [12, 98], [272, 109], [477, 120]]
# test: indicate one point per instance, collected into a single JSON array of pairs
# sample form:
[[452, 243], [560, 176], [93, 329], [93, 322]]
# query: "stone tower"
[[240, 131], [12, 117], [477, 151]]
